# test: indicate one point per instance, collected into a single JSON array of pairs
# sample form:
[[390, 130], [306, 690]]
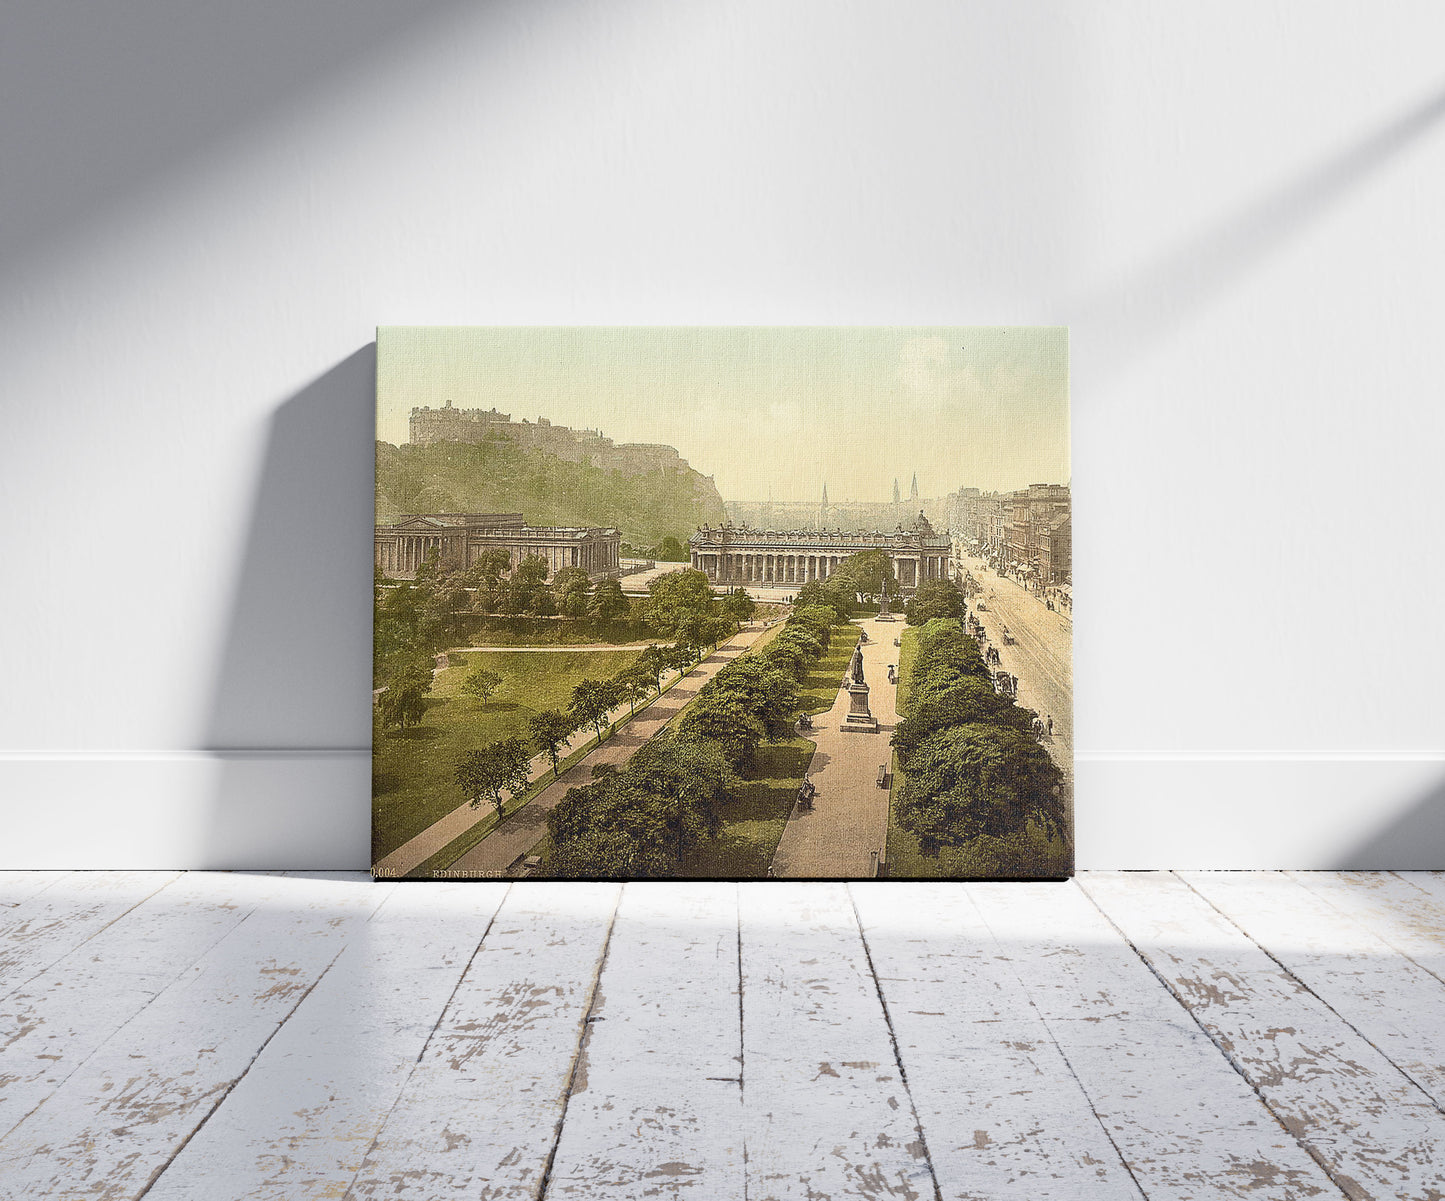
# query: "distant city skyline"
[[769, 413]]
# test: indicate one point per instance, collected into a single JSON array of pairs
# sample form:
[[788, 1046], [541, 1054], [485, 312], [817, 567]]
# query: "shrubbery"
[[646, 819], [974, 767]]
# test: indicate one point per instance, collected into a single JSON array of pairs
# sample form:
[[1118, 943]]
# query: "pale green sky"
[[766, 408]]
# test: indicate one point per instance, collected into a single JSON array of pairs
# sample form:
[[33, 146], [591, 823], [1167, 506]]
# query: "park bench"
[[883, 775]]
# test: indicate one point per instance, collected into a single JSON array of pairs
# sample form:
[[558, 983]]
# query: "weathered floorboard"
[[656, 1108], [1375, 1131], [124, 1113], [480, 1113], [1186, 1124], [300, 1122], [50, 1025], [1002, 1114], [1392, 1002], [48, 925], [826, 1111], [1405, 909], [16, 887]]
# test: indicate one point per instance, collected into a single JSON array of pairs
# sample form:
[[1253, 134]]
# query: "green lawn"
[[1027, 853], [412, 784]]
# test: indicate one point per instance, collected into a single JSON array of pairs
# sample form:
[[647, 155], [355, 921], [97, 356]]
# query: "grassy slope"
[[1027, 854], [412, 784], [501, 476]]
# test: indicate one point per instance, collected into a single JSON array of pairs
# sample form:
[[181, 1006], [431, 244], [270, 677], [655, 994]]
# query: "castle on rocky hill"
[[448, 424]]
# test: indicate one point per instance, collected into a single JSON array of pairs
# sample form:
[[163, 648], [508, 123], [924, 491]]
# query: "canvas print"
[[722, 603]]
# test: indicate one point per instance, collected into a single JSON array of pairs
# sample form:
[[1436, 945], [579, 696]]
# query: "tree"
[[488, 568], [485, 773], [670, 550], [482, 682], [724, 718], [572, 587], [607, 601], [532, 571], [867, 572], [968, 701], [818, 620], [739, 604], [652, 663], [592, 701], [830, 594], [977, 779], [550, 730], [935, 599], [679, 656], [643, 821], [633, 685], [402, 704], [763, 689], [675, 596]]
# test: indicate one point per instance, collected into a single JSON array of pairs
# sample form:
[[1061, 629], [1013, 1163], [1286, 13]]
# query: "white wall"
[[205, 208]]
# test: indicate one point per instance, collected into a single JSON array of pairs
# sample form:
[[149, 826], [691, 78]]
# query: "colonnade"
[[765, 567], [406, 552]]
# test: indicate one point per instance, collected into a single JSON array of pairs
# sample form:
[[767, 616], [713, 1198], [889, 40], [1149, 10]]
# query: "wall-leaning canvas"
[[722, 602]]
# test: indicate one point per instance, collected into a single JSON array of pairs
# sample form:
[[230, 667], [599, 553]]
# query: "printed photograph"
[[723, 603]]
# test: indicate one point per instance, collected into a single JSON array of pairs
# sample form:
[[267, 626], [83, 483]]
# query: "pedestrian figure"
[[1051, 725], [1038, 727]]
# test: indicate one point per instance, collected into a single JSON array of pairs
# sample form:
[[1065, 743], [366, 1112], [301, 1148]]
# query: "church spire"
[[825, 494], [913, 495], [897, 496]]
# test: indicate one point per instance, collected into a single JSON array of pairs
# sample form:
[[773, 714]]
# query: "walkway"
[[846, 831], [522, 830]]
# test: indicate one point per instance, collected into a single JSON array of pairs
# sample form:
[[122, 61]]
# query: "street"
[[1041, 657]]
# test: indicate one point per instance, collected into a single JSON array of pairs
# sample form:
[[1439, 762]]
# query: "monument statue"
[[860, 719]]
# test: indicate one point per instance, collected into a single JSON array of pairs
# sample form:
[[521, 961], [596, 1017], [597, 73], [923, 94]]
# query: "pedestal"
[[860, 719]]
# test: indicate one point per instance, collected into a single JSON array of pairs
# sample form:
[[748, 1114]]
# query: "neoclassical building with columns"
[[459, 538], [737, 556]]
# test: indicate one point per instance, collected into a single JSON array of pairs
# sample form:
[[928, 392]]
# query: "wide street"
[[1041, 656]]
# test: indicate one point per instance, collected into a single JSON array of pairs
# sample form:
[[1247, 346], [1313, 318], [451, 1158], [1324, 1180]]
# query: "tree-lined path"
[[521, 831], [848, 824]]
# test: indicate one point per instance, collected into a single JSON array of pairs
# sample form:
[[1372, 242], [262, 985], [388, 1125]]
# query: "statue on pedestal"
[[860, 719]]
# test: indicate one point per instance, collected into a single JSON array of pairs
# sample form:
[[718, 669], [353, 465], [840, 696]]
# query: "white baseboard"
[[186, 809], [310, 809]]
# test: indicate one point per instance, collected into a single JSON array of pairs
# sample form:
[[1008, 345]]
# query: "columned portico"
[[732, 556]]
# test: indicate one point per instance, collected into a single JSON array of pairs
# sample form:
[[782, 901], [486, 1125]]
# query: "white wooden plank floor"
[[1132, 1035]]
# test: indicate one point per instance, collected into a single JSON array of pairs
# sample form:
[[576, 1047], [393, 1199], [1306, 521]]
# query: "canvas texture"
[[723, 603]]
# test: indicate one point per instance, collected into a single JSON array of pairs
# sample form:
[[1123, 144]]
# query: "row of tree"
[[494, 584], [974, 766], [415, 620], [504, 765], [645, 820]]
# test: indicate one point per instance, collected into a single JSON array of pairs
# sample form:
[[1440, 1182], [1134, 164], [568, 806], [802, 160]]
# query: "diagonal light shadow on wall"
[[290, 718], [1146, 306], [1412, 842], [102, 101]]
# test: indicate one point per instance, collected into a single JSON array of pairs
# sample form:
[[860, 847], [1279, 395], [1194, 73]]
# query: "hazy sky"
[[766, 409]]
